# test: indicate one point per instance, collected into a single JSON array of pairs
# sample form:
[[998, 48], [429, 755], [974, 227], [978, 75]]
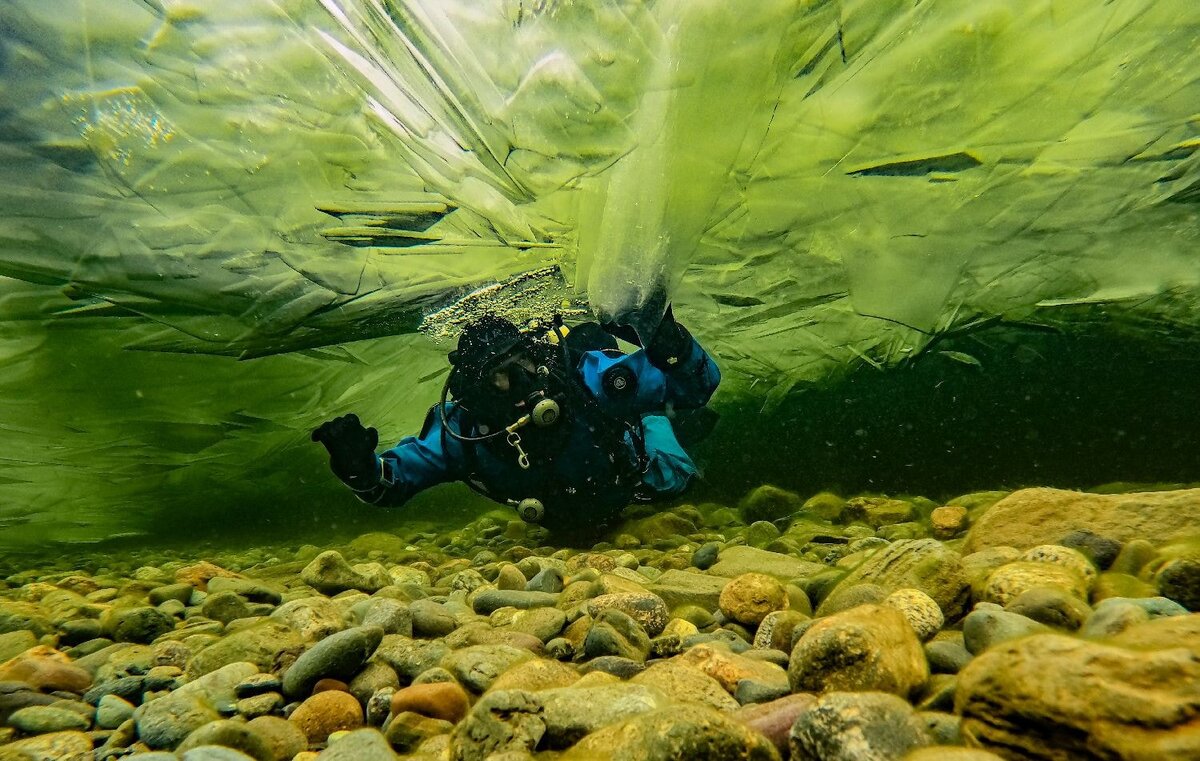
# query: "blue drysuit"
[[592, 460]]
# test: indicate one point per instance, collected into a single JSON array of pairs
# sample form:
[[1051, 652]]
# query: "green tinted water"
[[935, 247]]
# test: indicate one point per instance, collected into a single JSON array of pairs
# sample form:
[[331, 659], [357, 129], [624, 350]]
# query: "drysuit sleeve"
[[417, 463], [631, 384]]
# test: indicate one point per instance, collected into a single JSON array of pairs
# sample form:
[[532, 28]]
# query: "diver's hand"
[[351, 450], [670, 343]]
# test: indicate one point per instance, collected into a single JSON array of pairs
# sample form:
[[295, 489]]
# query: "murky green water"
[[935, 246]]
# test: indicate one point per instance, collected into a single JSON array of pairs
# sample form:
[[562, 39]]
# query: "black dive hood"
[[535, 363]]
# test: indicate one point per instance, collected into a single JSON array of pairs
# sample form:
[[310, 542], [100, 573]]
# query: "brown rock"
[[1162, 634], [774, 720], [510, 577], [686, 684], [1029, 517], [775, 630], [647, 609], [46, 669], [951, 753], [534, 676], [1010, 581], [924, 564], [442, 700], [1067, 557], [729, 668], [198, 575], [735, 561], [1053, 697], [748, 598], [680, 732], [408, 730], [326, 685], [948, 521], [55, 746], [868, 648], [283, 737], [327, 712]]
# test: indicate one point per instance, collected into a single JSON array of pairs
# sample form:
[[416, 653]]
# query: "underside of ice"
[[818, 185]]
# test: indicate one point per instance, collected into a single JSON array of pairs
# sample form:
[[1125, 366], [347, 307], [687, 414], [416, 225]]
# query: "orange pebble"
[[439, 700], [325, 713], [325, 685]]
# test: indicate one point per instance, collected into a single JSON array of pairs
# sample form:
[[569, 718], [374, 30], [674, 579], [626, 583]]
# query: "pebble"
[[228, 734], [446, 701], [853, 726], [408, 731], [685, 731], [136, 624], [705, 555], [924, 564], [535, 675], [615, 633], [431, 619], [55, 746], [510, 578], [112, 711], [1009, 581], [257, 685], [283, 737], [643, 619], [338, 656], [1056, 554], [946, 657], [986, 627], [327, 712], [36, 720], [686, 684], [44, 669], [774, 719], [646, 608], [748, 598], [548, 581], [329, 573], [477, 666], [1179, 580], [919, 609], [311, 617], [868, 648], [949, 521], [214, 753], [179, 592], [1051, 606], [1100, 550]]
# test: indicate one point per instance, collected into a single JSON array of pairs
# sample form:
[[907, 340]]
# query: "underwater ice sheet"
[[818, 185]]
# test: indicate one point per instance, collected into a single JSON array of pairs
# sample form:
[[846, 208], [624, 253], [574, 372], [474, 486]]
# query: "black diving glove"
[[351, 451], [670, 344]]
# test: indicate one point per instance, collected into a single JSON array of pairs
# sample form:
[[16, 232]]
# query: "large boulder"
[[1055, 697], [923, 564], [1030, 517]]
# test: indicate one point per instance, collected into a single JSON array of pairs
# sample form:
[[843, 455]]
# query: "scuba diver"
[[559, 424]]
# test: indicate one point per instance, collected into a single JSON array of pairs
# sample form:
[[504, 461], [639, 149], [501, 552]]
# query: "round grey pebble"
[[706, 555]]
